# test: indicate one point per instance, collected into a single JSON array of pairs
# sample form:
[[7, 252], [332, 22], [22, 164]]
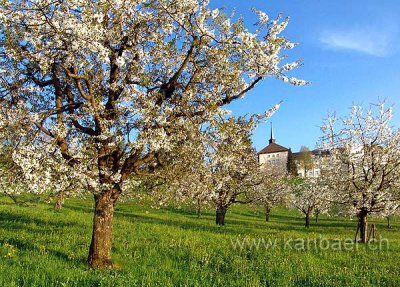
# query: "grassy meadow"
[[172, 247]]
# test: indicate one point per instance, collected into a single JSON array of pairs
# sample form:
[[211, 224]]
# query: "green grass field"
[[171, 247]]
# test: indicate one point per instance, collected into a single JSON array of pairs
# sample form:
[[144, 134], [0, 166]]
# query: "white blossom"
[[109, 92]]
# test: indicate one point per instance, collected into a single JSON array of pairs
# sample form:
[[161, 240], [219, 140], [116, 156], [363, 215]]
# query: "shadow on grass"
[[242, 220], [19, 221], [206, 223], [233, 226], [250, 222], [85, 208], [183, 211], [37, 227], [186, 223], [27, 246]]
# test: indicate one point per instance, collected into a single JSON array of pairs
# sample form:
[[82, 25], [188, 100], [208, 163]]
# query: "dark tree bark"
[[220, 215], [59, 200], [198, 208], [363, 225], [100, 247], [388, 222], [307, 219], [267, 212]]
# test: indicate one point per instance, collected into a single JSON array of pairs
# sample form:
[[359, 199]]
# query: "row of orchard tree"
[[359, 162], [113, 97]]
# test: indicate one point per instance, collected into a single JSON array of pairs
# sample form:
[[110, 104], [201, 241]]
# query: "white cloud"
[[367, 40]]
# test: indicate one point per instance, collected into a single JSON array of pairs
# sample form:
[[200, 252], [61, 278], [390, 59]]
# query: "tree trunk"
[[198, 209], [316, 217], [388, 222], [100, 247], [59, 200], [307, 220], [267, 212], [363, 225], [220, 215]]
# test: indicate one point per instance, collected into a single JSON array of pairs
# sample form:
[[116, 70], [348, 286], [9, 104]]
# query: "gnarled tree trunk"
[[59, 200], [267, 212], [363, 225], [307, 220], [316, 216], [220, 215], [100, 247], [388, 222], [198, 208]]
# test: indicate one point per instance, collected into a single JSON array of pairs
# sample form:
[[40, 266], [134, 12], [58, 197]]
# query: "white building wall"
[[277, 160], [314, 172]]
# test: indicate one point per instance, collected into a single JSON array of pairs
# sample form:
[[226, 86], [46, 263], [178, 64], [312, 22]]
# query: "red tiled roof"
[[273, 147]]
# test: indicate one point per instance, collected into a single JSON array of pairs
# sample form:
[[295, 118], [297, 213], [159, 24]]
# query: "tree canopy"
[[110, 89]]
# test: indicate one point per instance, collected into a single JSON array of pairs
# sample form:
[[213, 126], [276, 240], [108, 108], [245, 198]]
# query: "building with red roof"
[[274, 156]]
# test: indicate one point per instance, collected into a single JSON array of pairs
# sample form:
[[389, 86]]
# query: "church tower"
[[272, 137], [274, 157]]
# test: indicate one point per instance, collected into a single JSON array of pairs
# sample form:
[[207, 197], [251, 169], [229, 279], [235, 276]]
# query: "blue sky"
[[351, 54]]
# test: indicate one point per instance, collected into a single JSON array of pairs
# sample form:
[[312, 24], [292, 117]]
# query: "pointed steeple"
[[272, 138]]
